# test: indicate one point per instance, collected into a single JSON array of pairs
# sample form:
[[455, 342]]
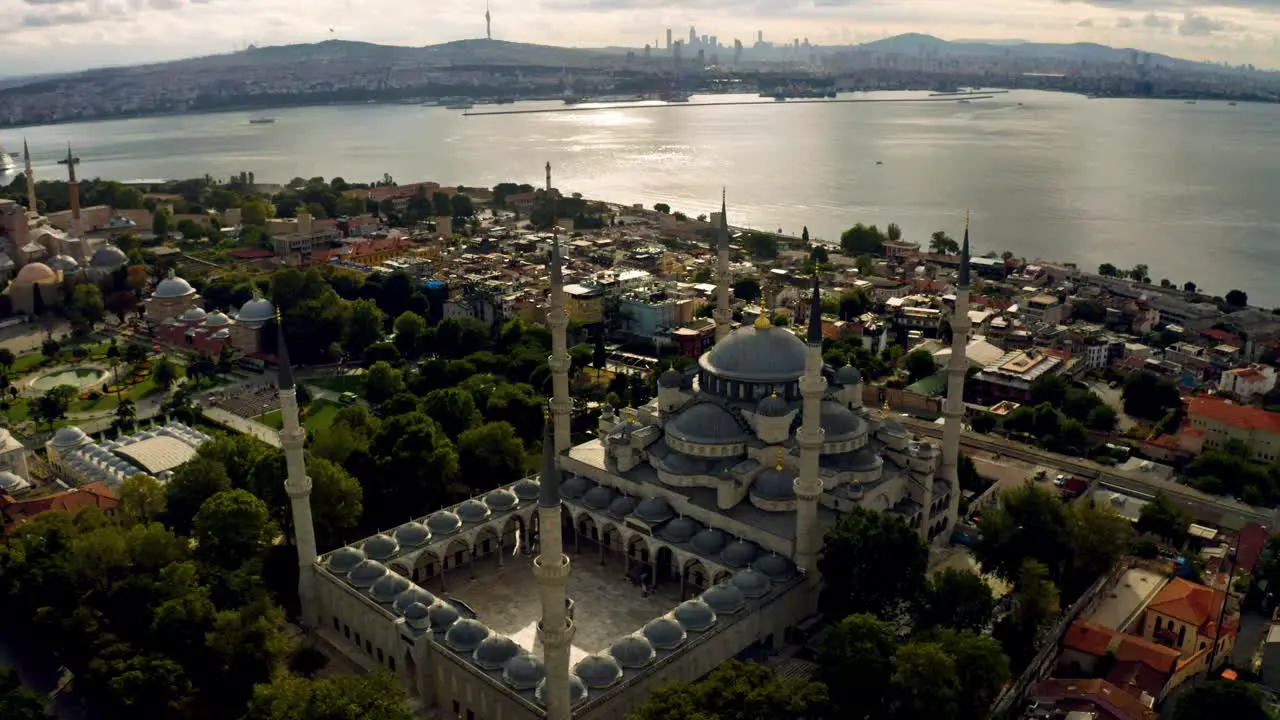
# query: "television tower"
[[488, 26]]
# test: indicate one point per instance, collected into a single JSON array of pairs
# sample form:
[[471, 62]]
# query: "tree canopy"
[[872, 563], [743, 691]]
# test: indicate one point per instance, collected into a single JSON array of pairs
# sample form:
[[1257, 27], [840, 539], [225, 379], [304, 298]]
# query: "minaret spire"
[[32, 206], [953, 409], [551, 569], [558, 322], [808, 482], [296, 484], [723, 313]]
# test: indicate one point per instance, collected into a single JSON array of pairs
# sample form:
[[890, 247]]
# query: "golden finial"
[[762, 322], [886, 404], [780, 453]]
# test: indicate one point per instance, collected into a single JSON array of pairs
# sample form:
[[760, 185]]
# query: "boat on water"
[[1189, 102], [263, 121], [1233, 103], [460, 106]]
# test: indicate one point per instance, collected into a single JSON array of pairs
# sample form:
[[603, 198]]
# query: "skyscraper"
[[488, 28], [693, 36], [668, 38]]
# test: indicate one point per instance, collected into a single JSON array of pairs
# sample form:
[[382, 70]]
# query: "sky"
[[59, 35]]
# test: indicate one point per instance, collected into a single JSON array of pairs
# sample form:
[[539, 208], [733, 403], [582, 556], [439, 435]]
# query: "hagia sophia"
[[685, 534]]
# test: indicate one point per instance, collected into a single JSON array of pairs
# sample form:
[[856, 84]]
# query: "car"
[[1113, 384], [347, 398], [1060, 480]]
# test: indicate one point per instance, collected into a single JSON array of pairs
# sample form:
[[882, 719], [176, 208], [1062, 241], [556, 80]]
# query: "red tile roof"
[[1088, 637], [1108, 698], [96, 494], [1136, 678], [1191, 603], [1253, 539], [1222, 337], [1242, 416], [1157, 657]]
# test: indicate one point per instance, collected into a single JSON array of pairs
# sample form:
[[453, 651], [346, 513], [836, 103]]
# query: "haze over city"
[[63, 35]]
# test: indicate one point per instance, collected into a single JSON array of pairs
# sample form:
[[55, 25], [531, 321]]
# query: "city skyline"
[[63, 35]]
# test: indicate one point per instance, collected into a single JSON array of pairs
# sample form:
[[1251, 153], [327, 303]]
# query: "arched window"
[[1157, 624], [1182, 635]]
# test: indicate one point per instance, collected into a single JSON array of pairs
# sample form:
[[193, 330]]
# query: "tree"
[[461, 206], [160, 222], [490, 455], [455, 409], [1161, 517], [7, 359], [984, 422], [142, 498], [1035, 605], [1088, 310], [919, 365], [872, 563], [165, 373], [860, 646], [1147, 396], [245, 648], [192, 484], [924, 683], [52, 406], [940, 243], [1102, 418], [381, 382], [982, 669], [761, 246], [1189, 287], [746, 289], [1099, 537], [853, 303], [414, 465], [87, 305], [1237, 298], [365, 322], [957, 599], [894, 232], [135, 353], [804, 234], [1109, 270], [1030, 523], [411, 330], [862, 240], [378, 696], [256, 212], [1222, 698], [231, 527], [337, 501], [1139, 274], [521, 406], [17, 701], [743, 691], [662, 208], [599, 356], [126, 415]]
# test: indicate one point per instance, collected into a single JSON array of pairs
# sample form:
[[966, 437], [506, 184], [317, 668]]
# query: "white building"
[[1248, 382]]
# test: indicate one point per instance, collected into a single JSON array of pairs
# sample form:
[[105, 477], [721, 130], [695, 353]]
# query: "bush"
[[1146, 549]]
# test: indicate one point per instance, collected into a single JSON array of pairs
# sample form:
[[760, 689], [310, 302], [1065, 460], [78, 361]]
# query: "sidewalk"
[[244, 425]]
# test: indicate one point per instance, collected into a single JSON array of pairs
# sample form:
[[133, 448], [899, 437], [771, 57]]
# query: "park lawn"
[[27, 362], [273, 420], [320, 415], [340, 384]]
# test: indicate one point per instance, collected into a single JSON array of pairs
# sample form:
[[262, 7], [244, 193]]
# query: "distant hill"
[[917, 44]]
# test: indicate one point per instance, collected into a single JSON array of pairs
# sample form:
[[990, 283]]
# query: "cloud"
[[1158, 22], [1197, 25], [57, 19], [166, 4], [1182, 5], [49, 2], [1087, 22], [1124, 22]]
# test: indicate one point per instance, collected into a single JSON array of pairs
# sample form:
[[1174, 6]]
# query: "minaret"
[[32, 206], [953, 410], [558, 321], [551, 569], [808, 482], [723, 314], [296, 484]]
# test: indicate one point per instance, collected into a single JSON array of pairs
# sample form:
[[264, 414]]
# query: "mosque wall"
[[464, 690], [355, 620]]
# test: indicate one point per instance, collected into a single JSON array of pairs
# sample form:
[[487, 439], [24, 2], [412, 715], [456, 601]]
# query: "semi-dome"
[[575, 487], [706, 423], [622, 507], [653, 510], [724, 599], [472, 511], [840, 423], [217, 318], [694, 615], [65, 263], [501, 500], [466, 635], [108, 257], [664, 633], [752, 583], [494, 651], [599, 497], [670, 378], [388, 588], [632, 651], [893, 427], [739, 553], [194, 314], [773, 406], [68, 436], [259, 309], [776, 567], [848, 375], [528, 490], [680, 530], [342, 560], [412, 534], [366, 573], [709, 541], [752, 354], [35, 273], [524, 671], [10, 481], [173, 287], [598, 671], [418, 616], [443, 523], [443, 616], [381, 547], [413, 595], [774, 484], [577, 691]]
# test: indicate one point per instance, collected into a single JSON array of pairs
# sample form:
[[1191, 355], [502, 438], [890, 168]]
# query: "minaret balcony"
[[545, 571]]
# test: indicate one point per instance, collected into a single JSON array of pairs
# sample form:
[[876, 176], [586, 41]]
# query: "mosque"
[[685, 534]]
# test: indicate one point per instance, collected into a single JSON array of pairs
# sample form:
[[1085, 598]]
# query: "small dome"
[[773, 406], [925, 449], [622, 507], [670, 378], [694, 615], [217, 319], [173, 287], [35, 273], [410, 597], [892, 426], [108, 257], [259, 309], [598, 671], [68, 436], [524, 671], [599, 497], [342, 560], [774, 484], [194, 314], [412, 534], [9, 480], [739, 553], [653, 510], [472, 511], [466, 635], [527, 490], [706, 423], [577, 691], [65, 263], [848, 375], [575, 487], [388, 588], [664, 633], [632, 651], [840, 423], [709, 541], [776, 567], [381, 547], [680, 530], [494, 651], [443, 523], [724, 599], [366, 573], [443, 616], [418, 616], [501, 500], [752, 583]]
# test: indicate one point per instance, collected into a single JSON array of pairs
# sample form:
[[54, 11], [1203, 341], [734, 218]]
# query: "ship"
[[263, 121]]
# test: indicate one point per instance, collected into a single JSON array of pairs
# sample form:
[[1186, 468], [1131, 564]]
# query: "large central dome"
[[757, 355]]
